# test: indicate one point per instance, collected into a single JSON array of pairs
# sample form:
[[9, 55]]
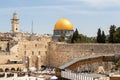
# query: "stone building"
[[22, 50], [32, 51], [1, 34], [35, 50]]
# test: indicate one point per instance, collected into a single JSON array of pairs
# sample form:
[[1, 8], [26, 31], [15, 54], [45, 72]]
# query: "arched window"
[[39, 53], [24, 46], [32, 52], [16, 28], [24, 52], [35, 45]]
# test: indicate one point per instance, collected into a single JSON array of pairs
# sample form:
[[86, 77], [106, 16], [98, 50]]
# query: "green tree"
[[69, 40], [61, 38], [103, 37], [111, 33], [80, 38], [75, 37], [117, 65], [83, 38], [116, 35], [99, 39]]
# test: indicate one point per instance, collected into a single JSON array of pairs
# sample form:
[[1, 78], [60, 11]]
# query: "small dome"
[[63, 24]]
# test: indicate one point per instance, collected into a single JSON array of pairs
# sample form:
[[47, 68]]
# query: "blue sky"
[[86, 15]]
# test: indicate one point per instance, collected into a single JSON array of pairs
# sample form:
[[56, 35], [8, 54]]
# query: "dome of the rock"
[[63, 24], [63, 27]]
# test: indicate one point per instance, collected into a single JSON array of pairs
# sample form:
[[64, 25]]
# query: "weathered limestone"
[[44, 52], [3, 45], [33, 51], [61, 53]]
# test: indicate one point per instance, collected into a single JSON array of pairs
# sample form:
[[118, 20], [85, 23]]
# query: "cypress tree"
[[103, 37], [111, 33], [99, 36], [116, 35], [75, 37]]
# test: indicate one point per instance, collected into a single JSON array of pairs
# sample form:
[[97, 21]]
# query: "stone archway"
[[12, 69], [7, 69], [18, 69], [1, 70]]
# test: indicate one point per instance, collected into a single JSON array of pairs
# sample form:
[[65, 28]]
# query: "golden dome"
[[63, 24]]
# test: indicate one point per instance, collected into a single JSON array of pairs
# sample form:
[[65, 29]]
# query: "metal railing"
[[75, 76]]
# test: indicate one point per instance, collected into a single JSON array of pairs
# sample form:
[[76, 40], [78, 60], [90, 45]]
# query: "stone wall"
[[4, 58], [3, 45], [35, 50], [55, 54], [61, 53]]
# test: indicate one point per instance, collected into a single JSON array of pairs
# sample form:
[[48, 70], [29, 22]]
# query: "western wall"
[[61, 53]]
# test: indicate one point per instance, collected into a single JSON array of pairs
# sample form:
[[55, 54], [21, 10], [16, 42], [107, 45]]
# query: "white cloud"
[[29, 8], [74, 9], [100, 3]]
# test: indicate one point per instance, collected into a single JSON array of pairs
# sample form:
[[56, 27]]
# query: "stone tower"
[[15, 23]]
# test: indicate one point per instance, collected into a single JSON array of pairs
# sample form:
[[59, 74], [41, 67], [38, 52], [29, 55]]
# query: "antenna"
[[32, 27]]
